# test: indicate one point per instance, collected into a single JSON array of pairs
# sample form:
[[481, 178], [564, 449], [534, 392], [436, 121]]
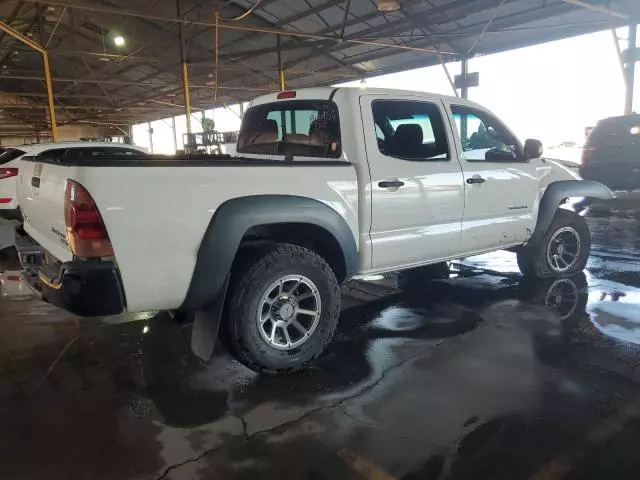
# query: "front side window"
[[484, 138], [309, 128], [410, 130]]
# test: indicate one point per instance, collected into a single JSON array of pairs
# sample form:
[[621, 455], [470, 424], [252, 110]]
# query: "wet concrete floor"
[[482, 376]]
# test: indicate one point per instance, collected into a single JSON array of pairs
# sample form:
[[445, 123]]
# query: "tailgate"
[[41, 188]]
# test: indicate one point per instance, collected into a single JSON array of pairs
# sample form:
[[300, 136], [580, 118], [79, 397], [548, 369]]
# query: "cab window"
[[308, 128], [410, 130]]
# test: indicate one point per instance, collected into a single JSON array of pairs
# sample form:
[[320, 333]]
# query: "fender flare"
[[558, 191], [235, 217]]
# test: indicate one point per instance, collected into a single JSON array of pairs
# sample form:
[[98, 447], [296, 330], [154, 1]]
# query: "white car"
[[331, 183], [10, 162]]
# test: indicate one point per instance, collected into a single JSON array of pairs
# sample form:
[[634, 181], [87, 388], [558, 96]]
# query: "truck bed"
[[156, 209]]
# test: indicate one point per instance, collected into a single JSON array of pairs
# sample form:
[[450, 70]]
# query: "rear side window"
[[8, 154], [309, 128], [410, 130]]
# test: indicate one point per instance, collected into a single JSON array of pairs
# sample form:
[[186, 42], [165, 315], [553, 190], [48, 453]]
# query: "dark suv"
[[611, 154]]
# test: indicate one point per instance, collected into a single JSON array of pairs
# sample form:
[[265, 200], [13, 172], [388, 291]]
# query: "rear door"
[[501, 188], [416, 192]]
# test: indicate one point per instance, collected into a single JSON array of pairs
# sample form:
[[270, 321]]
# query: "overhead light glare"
[[388, 5], [118, 41]]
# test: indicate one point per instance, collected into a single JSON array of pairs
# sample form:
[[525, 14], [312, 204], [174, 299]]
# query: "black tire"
[[533, 261], [240, 331]]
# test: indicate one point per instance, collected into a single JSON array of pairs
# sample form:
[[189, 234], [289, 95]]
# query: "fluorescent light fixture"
[[388, 5]]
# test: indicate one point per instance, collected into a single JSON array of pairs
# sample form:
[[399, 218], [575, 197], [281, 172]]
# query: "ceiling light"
[[388, 5], [50, 14], [118, 41]]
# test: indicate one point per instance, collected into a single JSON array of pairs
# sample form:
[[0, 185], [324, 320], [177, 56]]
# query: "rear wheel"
[[563, 251], [283, 309]]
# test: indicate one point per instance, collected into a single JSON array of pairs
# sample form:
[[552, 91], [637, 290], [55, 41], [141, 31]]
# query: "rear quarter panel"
[[156, 216]]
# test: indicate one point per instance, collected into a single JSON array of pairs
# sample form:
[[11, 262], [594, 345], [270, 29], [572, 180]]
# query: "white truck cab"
[[328, 184]]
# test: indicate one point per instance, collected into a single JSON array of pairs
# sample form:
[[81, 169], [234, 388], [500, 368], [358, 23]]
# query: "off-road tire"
[[533, 261], [249, 280]]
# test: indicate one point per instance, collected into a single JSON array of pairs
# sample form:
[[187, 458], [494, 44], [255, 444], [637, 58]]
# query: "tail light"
[[86, 232], [8, 172]]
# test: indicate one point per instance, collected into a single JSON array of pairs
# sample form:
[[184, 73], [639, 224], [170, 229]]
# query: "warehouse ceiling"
[[322, 42]]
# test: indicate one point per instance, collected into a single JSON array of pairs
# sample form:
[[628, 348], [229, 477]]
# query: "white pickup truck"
[[329, 183]]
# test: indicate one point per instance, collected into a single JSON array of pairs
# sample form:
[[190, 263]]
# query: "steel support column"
[[630, 72], [464, 91], [187, 97], [150, 130], [280, 66], [185, 70], [47, 72], [52, 110], [175, 136]]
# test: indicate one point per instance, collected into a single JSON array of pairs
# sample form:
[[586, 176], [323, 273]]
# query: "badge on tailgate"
[[35, 179]]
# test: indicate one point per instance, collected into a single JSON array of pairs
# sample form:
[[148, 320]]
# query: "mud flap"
[[205, 327]]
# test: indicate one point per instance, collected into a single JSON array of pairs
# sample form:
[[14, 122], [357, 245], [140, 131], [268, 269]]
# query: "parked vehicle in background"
[[331, 183], [10, 161], [8, 173], [611, 154]]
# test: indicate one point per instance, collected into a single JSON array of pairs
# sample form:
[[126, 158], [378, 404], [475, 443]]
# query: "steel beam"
[[598, 8]]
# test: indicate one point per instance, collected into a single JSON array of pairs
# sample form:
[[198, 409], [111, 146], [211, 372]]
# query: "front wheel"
[[562, 252], [283, 310]]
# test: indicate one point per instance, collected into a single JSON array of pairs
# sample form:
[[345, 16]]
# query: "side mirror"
[[533, 149], [495, 155]]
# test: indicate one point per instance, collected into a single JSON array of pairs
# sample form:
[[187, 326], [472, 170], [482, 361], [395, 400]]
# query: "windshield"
[[300, 127]]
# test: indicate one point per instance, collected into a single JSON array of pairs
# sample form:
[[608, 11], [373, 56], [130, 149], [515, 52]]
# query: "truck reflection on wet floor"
[[187, 392]]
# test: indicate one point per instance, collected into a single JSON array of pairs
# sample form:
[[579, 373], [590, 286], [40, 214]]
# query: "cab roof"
[[325, 93]]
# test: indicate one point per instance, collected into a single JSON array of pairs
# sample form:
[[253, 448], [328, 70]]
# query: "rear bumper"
[[10, 213], [87, 289]]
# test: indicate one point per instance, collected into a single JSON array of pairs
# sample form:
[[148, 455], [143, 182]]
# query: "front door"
[[501, 188], [416, 190]]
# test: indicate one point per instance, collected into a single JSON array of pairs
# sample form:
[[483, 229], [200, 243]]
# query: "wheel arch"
[[286, 218], [555, 194]]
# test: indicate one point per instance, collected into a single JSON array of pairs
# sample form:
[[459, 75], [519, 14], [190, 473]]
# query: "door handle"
[[475, 179], [391, 184]]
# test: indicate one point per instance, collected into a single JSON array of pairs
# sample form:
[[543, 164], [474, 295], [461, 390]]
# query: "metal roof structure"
[[322, 42]]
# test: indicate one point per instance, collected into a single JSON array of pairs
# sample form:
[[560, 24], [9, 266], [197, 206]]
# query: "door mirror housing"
[[533, 149], [495, 155]]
